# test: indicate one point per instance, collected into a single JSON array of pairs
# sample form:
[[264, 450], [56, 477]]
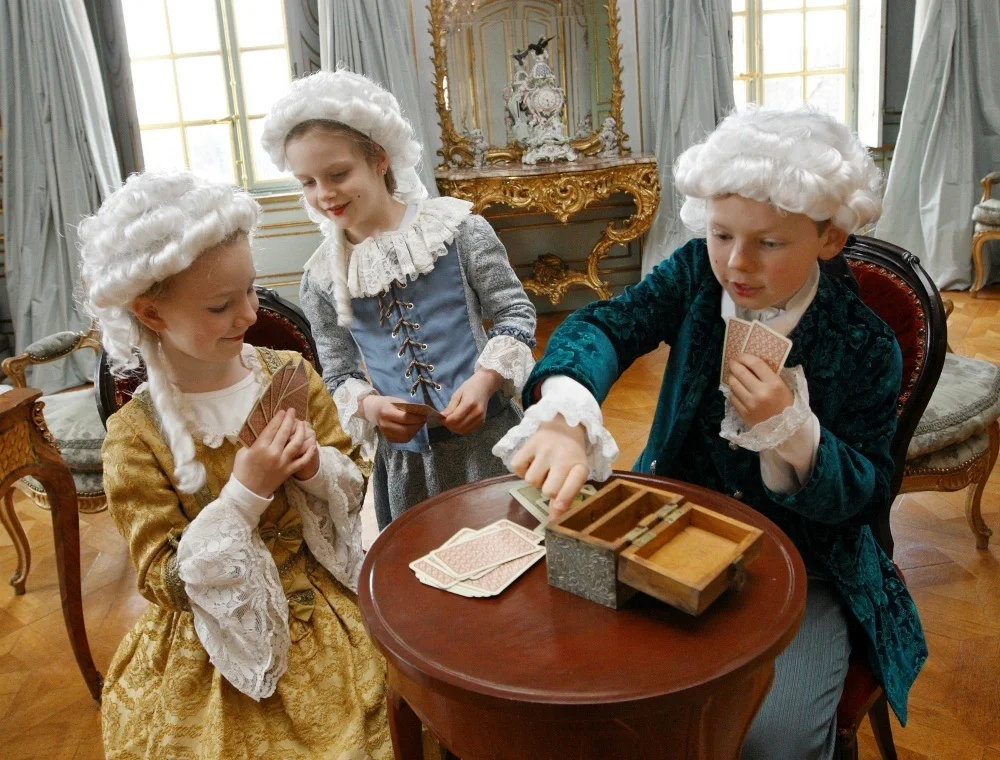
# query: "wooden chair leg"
[[846, 747], [977, 260], [13, 526], [878, 715], [66, 534], [974, 495]]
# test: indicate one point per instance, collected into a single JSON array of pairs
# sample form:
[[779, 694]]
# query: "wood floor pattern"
[[45, 711]]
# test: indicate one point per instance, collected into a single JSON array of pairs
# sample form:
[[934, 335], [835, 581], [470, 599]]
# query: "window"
[[789, 52], [205, 72]]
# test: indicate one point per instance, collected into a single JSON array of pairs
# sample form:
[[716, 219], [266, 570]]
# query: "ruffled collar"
[[401, 255]]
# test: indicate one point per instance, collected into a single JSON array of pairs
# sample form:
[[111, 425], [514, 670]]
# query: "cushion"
[[965, 401], [53, 346], [74, 422], [87, 483], [987, 212], [954, 457]]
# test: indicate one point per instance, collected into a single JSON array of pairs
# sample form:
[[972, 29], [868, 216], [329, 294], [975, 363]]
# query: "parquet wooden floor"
[[45, 711]]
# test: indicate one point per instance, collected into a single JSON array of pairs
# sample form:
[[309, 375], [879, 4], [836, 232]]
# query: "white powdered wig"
[[799, 160], [148, 230], [359, 103]]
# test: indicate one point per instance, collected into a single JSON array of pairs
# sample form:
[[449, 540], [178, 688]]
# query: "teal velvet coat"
[[853, 367]]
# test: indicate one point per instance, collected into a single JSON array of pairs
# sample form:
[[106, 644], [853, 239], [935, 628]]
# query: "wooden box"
[[628, 538]]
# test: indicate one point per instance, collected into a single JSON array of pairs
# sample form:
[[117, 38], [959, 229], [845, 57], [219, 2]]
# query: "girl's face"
[[763, 256], [205, 310], [338, 180]]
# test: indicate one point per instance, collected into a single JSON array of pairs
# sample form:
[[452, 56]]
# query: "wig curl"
[[799, 160], [145, 232], [359, 103]]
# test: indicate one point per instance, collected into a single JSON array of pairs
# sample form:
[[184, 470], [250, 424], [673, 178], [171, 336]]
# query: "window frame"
[[241, 145]]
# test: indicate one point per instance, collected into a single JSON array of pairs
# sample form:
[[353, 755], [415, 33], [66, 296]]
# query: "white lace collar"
[[376, 262], [781, 319]]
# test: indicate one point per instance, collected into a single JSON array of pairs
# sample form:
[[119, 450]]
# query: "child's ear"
[[832, 241], [146, 312]]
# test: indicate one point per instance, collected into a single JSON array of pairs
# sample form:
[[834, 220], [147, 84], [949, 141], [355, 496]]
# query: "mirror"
[[531, 80]]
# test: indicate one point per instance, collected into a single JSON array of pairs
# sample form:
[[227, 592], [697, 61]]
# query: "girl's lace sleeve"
[[511, 359], [348, 398]]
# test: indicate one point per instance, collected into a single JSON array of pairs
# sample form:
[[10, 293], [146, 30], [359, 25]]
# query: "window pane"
[[155, 93], [259, 22], [782, 42], [780, 5], [193, 26], [210, 149], [162, 149], [826, 39], [202, 87], [739, 45], [783, 92], [145, 28], [263, 168], [740, 94], [739, 6], [827, 92], [826, 4], [265, 78]]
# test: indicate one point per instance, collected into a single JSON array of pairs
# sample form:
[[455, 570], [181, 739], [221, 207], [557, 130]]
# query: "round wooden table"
[[541, 673]]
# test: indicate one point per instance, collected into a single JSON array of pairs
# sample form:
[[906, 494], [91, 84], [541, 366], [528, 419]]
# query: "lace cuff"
[[774, 431], [509, 357], [348, 398], [602, 451], [240, 609], [330, 507]]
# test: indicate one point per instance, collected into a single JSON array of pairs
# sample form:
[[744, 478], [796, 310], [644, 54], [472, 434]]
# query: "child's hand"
[[555, 460], [309, 451], [396, 425], [758, 393], [466, 410], [274, 456]]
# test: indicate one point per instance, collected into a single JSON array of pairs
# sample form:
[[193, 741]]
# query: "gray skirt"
[[402, 479]]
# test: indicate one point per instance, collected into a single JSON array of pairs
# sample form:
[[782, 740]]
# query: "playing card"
[[289, 388], [440, 578], [413, 408], [503, 575], [769, 345], [527, 496], [482, 551], [737, 331], [255, 423], [294, 392], [526, 532]]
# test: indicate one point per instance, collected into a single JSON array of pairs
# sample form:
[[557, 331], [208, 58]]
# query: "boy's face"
[[762, 256]]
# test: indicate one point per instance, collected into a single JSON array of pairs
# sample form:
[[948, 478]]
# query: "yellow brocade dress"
[[162, 697]]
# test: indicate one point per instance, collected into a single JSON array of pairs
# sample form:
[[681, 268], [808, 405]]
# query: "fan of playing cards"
[[480, 562], [755, 338], [288, 389]]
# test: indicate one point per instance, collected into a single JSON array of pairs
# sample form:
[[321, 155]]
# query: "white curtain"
[[949, 136], [686, 75], [376, 39], [59, 162]]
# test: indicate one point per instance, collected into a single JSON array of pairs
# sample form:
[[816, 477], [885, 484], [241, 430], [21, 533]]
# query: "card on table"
[[771, 346], [737, 331], [483, 551]]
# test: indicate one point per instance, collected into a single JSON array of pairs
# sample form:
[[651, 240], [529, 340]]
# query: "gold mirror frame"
[[457, 151]]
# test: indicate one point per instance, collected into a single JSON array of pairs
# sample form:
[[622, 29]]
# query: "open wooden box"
[[629, 537]]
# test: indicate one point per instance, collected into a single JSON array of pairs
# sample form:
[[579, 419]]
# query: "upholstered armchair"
[[986, 217], [71, 416], [956, 442]]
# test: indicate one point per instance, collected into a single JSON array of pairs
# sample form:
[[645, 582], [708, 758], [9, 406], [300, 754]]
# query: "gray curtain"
[[949, 136], [302, 23], [376, 39], [59, 162], [686, 75]]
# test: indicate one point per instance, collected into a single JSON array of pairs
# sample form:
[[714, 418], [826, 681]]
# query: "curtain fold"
[[59, 162], [376, 39], [949, 137], [686, 88]]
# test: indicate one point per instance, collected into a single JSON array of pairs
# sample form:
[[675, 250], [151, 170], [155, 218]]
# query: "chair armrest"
[[47, 350], [991, 179], [17, 397]]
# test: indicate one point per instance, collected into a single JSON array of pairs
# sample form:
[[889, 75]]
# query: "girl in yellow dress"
[[252, 645]]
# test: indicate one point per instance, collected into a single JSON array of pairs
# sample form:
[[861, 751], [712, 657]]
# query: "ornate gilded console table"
[[563, 190]]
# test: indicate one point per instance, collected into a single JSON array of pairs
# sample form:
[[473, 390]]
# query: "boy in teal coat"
[[775, 192]]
